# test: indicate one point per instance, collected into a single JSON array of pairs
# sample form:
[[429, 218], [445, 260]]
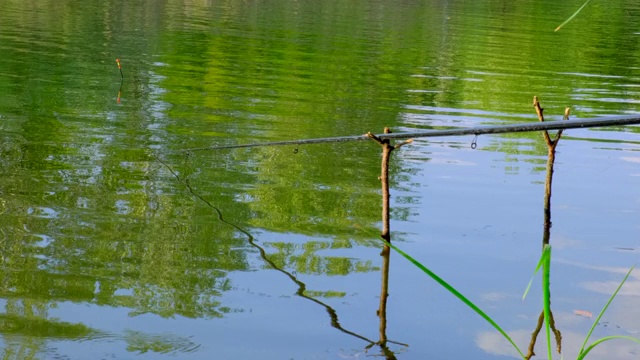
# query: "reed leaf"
[[601, 340], [572, 16], [595, 322], [545, 253], [545, 264], [457, 294]]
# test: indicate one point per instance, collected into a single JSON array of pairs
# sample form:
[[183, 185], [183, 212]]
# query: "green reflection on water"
[[88, 216]]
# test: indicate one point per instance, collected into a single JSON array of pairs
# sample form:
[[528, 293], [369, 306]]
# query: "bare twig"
[[374, 137], [539, 111], [397, 146]]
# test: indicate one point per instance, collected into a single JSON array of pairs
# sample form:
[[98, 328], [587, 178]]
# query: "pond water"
[[117, 243]]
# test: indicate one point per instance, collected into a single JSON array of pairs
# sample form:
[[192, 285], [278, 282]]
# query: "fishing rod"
[[479, 130]]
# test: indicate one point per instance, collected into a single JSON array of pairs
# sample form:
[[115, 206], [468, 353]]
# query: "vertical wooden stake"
[[547, 196], [384, 180], [551, 158], [387, 148]]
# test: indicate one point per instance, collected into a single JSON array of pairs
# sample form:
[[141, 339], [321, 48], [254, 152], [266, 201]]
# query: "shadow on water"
[[302, 287]]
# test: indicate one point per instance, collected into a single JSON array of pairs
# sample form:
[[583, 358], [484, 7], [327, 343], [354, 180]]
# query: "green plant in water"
[[545, 264], [583, 352]]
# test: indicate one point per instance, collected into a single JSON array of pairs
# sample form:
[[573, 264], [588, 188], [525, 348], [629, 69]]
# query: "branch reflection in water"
[[302, 287], [387, 148], [546, 231]]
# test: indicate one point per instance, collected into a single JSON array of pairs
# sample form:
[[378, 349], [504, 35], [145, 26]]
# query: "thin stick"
[[387, 148], [539, 110], [480, 130], [120, 68], [546, 234]]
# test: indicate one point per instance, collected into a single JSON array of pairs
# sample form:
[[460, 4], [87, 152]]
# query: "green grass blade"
[[607, 338], [572, 16], [595, 322], [546, 295], [540, 262], [457, 294]]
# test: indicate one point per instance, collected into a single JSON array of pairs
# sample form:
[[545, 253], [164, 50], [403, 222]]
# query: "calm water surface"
[[116, 243]]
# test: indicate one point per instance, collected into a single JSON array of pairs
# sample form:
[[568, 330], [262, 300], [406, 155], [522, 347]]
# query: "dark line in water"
[[335, 322], [480, 130], [614, 141]]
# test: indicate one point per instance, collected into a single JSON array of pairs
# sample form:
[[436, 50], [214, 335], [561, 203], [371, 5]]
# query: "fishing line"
[[479, 130]]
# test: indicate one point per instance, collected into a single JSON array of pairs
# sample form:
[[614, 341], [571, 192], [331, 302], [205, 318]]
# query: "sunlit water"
[[116, 242]]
